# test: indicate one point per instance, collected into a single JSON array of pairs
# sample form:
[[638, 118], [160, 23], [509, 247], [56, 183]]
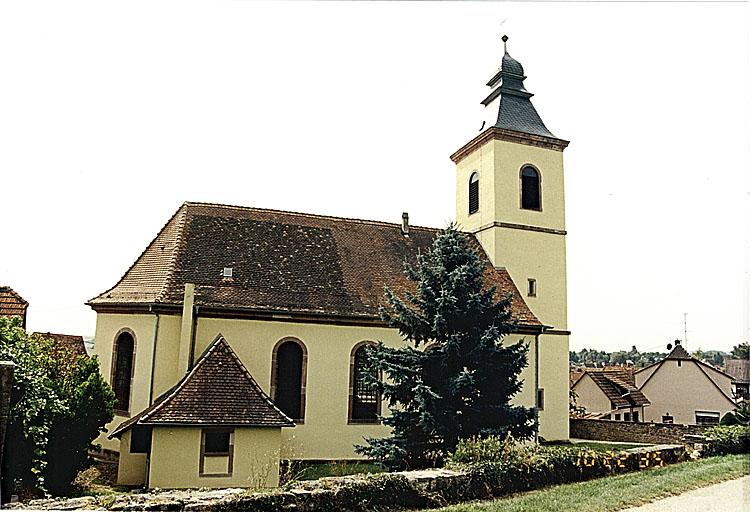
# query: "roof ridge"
[[307, 215]]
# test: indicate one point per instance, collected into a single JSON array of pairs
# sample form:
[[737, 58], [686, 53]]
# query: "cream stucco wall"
[[681, 390], [591, 396], [131, 469], [325, 433], [175, 459]]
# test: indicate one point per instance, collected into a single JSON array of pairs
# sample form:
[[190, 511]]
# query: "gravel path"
[[731, 496]]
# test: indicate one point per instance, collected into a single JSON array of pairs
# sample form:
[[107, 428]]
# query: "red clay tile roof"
[[12, 304], [71, 342], [282, 262], [218, 390], [619, 386]]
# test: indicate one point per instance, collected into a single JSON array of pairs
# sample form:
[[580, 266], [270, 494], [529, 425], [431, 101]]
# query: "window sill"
[[215, 475], [363, 422]]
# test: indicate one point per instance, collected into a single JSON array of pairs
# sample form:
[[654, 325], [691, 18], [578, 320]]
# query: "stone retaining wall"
[[608, 430]]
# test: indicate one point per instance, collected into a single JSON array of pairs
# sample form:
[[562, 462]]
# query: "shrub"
[[729, 439], [59, 404]]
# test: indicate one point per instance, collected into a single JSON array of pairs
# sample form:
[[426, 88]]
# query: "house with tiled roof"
[[70, 342], [295, 298], [684, 390], [739, 369], [12, 305], [610, 394]]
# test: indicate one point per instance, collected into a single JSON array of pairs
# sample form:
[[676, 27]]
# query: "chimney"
[[405, 224]]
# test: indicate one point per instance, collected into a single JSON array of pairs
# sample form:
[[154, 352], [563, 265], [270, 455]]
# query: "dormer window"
[[531, 192], [474, 193]]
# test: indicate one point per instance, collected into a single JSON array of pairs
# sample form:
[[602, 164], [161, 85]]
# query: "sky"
[[113, 114]]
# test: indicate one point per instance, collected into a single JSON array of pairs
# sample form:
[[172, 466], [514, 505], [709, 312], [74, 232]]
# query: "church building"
[[235, 339]]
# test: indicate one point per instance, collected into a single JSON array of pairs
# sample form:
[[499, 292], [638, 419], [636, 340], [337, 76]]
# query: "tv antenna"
[[684, 324]]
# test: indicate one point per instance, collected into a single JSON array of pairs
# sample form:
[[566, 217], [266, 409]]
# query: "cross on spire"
[[505, 43]]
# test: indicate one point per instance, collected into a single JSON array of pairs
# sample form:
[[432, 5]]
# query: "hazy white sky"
[[113, 114]]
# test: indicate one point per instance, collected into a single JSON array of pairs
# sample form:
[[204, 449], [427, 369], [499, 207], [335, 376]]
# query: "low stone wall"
[[608, 430], [385, 491]]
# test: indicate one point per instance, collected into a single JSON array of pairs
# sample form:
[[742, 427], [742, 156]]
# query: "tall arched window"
[[123, 360], [474, 193], [531, 190], [364, 399], [288, 375]]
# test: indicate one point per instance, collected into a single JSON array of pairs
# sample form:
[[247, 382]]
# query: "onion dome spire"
[[515, 110]]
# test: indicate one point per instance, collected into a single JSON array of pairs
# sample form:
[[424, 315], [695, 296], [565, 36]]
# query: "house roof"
[[739, 369], [678, 352], [283, 262], [619, 387], [71, 342], [218, 390], [12, 304]]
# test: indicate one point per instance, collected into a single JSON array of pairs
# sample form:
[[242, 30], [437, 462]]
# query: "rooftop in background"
[[281, 263], [12, 304], [71, 342], [619, 386], [739, 369]]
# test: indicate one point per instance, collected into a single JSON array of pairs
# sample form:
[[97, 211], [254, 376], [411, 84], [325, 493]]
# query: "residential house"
[[683, 390], [12, 305], [739, 369], [610, 394]]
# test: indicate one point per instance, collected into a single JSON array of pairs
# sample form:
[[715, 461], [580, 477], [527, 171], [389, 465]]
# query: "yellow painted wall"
[[107, 328], [175, 459], [131, 469], [553, 378], [680, 391]]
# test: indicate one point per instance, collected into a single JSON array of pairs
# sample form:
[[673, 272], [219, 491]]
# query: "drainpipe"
[[536, 387], [153, 356], [186, 330], [192, 337]]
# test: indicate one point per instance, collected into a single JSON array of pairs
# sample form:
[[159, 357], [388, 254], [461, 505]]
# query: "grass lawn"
[[617, 492], [606, 447], [315, 471]]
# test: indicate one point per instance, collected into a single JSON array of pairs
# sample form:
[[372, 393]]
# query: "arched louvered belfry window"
[[531, 189], [123, 360], [364, 399], [474, 193], [289, 373]]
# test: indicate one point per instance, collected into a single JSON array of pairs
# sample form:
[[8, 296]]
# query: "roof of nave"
[[283, 262], [217, 391]]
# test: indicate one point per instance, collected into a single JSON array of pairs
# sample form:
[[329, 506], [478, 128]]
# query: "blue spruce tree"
[[455, 378]]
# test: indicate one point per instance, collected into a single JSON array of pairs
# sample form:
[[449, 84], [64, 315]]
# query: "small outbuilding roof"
[[217, 391], [739, 369]]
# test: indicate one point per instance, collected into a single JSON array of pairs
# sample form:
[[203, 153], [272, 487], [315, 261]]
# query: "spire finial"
[[505, 43]]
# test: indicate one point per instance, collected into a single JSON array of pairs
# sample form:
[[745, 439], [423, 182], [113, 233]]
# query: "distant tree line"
[[600, 358]]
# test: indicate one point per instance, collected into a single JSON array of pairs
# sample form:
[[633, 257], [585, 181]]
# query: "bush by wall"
[[728, 439]]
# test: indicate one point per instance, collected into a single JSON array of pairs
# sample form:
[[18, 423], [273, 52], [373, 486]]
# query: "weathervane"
[[505, 43]]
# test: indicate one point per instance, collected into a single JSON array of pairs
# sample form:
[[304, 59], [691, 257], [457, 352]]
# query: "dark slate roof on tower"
[[516, 112], [282, 262], [218, 390]]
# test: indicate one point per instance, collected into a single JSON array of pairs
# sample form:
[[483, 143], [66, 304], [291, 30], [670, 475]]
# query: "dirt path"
[[731, 496]]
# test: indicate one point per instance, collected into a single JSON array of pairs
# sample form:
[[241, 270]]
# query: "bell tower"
[[510, 195]]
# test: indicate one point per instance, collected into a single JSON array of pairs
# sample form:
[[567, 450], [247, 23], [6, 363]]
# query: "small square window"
[[617, 417], [216, 443], [667, 419], [228, 271], [540, 399], [532, 288], [626, 416]]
